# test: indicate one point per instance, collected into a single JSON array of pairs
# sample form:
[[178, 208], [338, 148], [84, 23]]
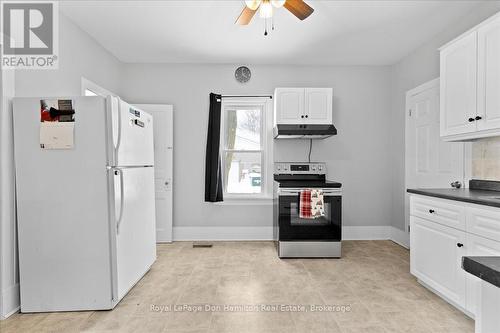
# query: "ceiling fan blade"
[[245, 16], [299, 8]]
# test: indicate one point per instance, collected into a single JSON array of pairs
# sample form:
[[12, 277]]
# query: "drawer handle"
[[460, 244], [432, 211]]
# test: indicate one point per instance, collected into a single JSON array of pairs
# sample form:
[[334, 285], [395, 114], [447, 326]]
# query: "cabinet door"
[[489, 76], [435, 258], [318, 105], [458, 86], [289, 108], [478, 246]]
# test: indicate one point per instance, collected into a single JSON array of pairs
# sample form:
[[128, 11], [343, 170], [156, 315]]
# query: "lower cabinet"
[[478, 246], [436, 248], [436, 254]]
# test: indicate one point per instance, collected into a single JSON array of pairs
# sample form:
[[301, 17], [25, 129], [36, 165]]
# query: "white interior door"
[[163, 146], [430, 161]]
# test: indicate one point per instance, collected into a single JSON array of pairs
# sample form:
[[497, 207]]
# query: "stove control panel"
[[299, 168]]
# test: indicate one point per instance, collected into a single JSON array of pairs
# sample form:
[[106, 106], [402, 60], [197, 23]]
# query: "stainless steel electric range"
[[297, 237]]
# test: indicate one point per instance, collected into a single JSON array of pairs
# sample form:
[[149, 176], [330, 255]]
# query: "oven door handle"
[[295, 193]]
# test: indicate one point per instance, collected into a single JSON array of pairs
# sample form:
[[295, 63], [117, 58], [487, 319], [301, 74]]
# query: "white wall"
[[420, 66], [9, 287], [79, 56], [358, 156]]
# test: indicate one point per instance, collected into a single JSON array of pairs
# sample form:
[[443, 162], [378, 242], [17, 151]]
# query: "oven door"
[[293, 228]]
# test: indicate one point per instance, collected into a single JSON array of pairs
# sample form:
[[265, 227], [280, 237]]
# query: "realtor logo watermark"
[[30, 34]]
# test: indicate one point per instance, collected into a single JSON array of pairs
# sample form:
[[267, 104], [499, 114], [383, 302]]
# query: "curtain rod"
[[247, 96]]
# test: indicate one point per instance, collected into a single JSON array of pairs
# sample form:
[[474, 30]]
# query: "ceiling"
[[337, 33]]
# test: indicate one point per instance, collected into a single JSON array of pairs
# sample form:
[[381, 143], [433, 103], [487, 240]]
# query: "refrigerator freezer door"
[[62, 212], [134, 224], [132, 135]]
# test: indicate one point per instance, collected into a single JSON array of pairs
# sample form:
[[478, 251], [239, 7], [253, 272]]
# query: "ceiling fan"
[[266, 7]]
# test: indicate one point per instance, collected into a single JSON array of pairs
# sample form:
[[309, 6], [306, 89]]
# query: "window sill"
[[246, 201]]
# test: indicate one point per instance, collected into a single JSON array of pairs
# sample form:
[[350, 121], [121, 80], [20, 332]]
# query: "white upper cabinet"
[[289, 105], [318, 105], [458, 86], [470, 84], [488, 84], [303, 105]]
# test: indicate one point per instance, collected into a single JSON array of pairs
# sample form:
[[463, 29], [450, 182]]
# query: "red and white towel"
[[311, 204]]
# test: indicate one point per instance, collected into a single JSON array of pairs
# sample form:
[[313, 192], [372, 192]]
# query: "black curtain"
[[213, 172]]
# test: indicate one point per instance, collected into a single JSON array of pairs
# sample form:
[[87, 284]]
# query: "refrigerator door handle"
[[120, 215], [119, 136]]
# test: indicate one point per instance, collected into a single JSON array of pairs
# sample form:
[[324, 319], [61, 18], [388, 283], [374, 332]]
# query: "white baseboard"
[[400, 237], [222, 233], [10, 301], [266, 233], [365, 232]]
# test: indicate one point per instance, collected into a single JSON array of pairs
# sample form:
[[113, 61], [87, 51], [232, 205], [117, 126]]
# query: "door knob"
[[302, 116], [471, 120], [479, 118], [431, 211], [460, 244], [307, 116]]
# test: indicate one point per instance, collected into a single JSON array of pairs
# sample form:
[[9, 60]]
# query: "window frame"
[[266, 105]]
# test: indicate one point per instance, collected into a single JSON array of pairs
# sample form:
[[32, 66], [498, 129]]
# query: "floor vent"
[[202, 244]]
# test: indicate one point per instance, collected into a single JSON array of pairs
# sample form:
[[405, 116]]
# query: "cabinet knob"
[[479, 118], [301, 116], [471, 120], [460, 244], [431, 211], [307, 116]]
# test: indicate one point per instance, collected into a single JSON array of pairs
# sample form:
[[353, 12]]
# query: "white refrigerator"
[[85, 201]]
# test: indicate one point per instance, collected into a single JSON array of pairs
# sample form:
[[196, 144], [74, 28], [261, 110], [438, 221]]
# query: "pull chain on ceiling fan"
[[266, 9]]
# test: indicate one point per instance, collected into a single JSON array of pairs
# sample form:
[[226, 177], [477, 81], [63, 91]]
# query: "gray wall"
[[358, 157], [420, 66], [80, 55]]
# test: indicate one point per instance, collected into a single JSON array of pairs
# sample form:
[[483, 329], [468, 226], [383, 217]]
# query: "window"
[[89, 88], [246, 138]]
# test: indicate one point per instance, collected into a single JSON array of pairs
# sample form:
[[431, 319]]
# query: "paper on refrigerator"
[[57, 124]]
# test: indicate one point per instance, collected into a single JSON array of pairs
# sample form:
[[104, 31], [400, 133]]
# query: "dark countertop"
[[485, 268], [476, 196]]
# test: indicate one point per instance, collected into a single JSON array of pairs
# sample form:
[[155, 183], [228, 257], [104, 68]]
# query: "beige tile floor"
[[372, 280]]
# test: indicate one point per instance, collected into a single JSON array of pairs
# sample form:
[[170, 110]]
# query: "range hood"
[[284, 131]]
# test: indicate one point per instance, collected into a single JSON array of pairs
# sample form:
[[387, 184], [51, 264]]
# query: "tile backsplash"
[[486, 159]]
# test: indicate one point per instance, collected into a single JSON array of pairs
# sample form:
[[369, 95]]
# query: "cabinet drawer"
[[484, 222], [440, 211]]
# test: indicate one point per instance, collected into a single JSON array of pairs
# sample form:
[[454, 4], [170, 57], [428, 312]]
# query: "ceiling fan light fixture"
[[278, 3], [266, 9], [253, 4]]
